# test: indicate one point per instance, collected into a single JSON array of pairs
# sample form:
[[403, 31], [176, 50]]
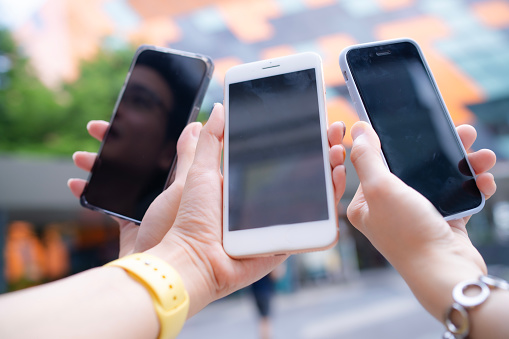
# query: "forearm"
[[99, 303]]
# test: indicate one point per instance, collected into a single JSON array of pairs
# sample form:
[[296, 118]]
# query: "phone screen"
[[139, 148], [417, 138], [276, 164]]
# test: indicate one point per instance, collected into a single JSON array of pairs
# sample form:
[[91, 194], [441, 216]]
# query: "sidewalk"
[[376, 305]]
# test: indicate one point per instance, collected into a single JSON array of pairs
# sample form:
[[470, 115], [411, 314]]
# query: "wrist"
[[432, 276], [186, 263], [165, 287], [472, 312]]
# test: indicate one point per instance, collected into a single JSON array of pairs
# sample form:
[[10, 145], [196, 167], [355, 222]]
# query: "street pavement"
[[377, 304]]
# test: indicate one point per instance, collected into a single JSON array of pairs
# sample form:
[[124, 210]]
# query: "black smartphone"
[[162, 93], [393, 89]]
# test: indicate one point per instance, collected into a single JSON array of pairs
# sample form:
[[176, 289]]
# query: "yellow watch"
[[165, 286]]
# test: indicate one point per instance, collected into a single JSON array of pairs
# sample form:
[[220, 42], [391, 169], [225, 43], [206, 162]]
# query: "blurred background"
[[62, 63]]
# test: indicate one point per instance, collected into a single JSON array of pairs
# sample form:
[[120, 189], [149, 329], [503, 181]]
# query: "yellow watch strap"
[[165, 286]]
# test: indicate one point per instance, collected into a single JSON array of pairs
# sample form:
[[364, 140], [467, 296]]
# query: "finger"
[[84, 160], [76, 186], [336, 132], [98, 128], [482, 160], [467, 134], [186, 148], [365, 155], [339, 181], [337, 155], [210, 143], [486, 184]]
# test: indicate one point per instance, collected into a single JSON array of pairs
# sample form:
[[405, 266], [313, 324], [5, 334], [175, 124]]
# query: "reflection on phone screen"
[[140, 146], [276, 165], [417, 139]]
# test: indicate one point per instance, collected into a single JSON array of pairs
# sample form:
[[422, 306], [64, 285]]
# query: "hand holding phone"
[[393, 89], [278, 194], [162, 93]]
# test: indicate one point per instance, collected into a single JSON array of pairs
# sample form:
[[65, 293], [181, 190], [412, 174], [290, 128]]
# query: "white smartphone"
[[393, 89], [278, 193]]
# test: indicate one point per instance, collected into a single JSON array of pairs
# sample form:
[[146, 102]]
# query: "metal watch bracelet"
[[463, 302]]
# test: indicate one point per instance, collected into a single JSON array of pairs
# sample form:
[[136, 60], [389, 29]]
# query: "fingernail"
[[344, 128], [195, 131], [344, 153]]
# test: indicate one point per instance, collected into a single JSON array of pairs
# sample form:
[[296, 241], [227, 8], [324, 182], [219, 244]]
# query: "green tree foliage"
[[37, 120], [92, 97], [27, 108]]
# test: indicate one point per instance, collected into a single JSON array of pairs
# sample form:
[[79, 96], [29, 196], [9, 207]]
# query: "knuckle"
[[358, 152]]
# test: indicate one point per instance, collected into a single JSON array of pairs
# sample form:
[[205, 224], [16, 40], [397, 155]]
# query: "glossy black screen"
[[140, 146], [276, 169], [418, 141]]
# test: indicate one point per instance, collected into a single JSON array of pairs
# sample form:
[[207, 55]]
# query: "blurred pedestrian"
[[263, 292]]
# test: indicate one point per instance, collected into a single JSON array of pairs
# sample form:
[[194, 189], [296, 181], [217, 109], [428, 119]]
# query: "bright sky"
[[14, 12]]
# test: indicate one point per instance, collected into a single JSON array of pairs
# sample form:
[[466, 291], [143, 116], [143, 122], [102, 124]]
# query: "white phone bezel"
[[280, 239], [363, 115]]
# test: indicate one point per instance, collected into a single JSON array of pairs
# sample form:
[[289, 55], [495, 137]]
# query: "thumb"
[[186, 147], [210, 143], [161, 214], [202, 196], [366, 155]]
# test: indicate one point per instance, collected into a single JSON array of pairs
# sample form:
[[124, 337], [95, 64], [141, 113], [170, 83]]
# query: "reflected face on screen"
[[276, 169], [138, 132], [418, 141], [140, 146]]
